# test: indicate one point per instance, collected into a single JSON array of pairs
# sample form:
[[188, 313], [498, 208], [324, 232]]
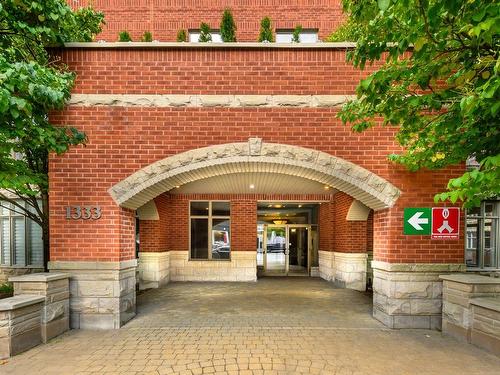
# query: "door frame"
[[287, 228]]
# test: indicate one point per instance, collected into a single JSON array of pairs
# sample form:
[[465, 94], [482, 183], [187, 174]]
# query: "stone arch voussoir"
[[254, 156]]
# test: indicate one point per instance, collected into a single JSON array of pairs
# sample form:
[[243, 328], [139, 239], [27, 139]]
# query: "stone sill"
[[418, 267], [188, 45], [488, 303], [16, 302], [470, 279], [37, 277]]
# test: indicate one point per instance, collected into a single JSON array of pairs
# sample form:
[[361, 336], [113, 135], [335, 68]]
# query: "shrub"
[[147, 37], [205, 35], [265, 33], [296, 34], [124, 36], [6, 288], [182, 35], [228, 27]]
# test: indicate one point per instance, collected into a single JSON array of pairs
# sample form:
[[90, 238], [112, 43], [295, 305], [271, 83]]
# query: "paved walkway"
[[274, 326]]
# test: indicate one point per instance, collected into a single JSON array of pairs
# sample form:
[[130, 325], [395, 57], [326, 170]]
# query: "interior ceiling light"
[[279, 222], [177, 187], [300, 206], [277, 206], [252, 186], [327, 187]]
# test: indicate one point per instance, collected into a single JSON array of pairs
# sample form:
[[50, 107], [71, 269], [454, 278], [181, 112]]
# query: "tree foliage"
[[228, 27], [266, 31], [205, 33], [439, 85], [31, 85]]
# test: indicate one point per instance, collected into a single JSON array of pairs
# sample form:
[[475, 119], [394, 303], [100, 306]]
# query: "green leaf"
[[383, 5]]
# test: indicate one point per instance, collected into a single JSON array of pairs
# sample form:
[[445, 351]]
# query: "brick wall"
[[171, 231], [164, 18], [123, 140], [154, 233], [326, 226], [349, 236], [212, 71]]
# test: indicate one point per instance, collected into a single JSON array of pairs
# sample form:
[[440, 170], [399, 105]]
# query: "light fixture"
[[277, 206], [252, 186], [300, 206], [280, 222], [269, 205], [327, 187], [177, 187], [293, 230]]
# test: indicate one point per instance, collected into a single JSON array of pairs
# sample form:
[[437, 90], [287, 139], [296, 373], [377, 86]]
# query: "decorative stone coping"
[[471, 279], [418, 267], [71, 265], [488, 303], [39, 277], [209, 101], [16, 302], [187, 45]]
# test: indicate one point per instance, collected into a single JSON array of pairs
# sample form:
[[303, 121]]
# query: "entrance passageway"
[[277, 326]]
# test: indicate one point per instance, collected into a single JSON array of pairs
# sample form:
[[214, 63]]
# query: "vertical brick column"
[[325, 251], [154, 257], [407, 287], [55, 288]]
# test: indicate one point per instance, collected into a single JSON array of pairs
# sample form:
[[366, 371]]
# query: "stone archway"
[[254, 156]]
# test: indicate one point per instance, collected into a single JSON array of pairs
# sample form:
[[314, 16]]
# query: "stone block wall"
[[241, 267], [458, 293], [154, 269], [326, 265], [55, 288], [486, 324], [20, 319], [350, 270], [102, 294], [409, 295], [6, 272]]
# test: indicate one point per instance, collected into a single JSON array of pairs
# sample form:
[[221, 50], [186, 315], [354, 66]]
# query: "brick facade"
[[165, 18]]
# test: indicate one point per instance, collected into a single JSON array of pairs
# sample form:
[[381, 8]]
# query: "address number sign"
[[83, 212]]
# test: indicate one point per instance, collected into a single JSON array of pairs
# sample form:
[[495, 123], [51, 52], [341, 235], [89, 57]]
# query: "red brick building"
[[226, 162]]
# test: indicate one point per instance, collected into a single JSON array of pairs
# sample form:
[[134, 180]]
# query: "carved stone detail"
[[256, 156]]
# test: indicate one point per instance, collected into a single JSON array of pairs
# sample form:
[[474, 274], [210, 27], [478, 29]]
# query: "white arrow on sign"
[[416, 220]]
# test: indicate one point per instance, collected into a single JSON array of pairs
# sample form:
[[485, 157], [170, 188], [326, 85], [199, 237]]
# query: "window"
[[21, 242], [482, 236], [306, 36], [194, 36], [210, 228]]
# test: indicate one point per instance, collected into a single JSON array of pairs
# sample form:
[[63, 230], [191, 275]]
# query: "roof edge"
[[188, 45]]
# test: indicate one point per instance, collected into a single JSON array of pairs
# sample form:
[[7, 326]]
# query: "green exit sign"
[[417, 221]]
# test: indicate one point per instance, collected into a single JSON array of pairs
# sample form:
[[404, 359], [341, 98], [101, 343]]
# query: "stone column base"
[[350, 270], [102, 294], [409, 295], [154, 269]]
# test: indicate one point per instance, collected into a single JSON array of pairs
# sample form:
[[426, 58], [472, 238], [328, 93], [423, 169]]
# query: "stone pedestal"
[[458, 292], [350, 270], [409, 295], [486, 324], [55, 288], [20, 324], [154, 269], [102, 294]]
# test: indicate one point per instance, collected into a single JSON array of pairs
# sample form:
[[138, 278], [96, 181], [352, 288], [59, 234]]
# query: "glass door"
[[276, 249], [298, 246]]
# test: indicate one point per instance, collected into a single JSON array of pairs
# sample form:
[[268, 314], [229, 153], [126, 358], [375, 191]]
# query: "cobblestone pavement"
[[274, 326]]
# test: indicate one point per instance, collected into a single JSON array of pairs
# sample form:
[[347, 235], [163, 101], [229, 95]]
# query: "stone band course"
[[236, 101]]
